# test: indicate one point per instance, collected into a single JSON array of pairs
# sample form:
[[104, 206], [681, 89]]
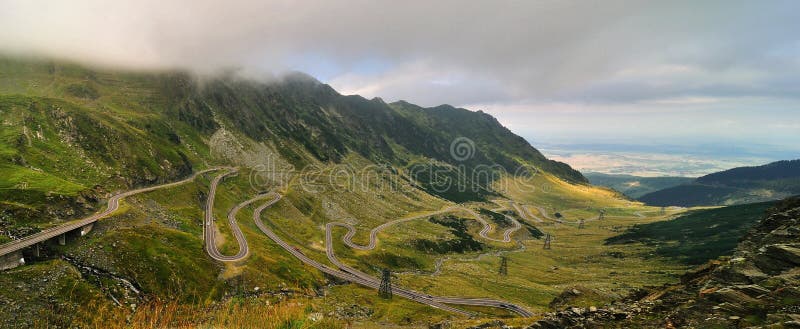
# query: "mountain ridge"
[[100, 129], [71, 137], [741, 185]]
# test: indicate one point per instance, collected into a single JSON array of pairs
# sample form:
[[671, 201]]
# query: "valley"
[[357, 276], [288, 197], [450, 164]]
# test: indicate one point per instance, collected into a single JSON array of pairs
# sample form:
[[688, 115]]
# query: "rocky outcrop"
[[758, 287]]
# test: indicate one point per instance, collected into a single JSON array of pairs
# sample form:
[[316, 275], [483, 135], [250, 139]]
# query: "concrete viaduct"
[[12, 252]]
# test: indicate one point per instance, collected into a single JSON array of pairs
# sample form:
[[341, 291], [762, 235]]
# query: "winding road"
[[424, 298], [347, 240], [210, 244], [342, 271], [484, 233], [112, 206], [368, 282], [373, 234], [209, 231], [525, 213]]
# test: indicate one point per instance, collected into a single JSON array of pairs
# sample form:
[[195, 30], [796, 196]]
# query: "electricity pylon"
[[503, 266], [385, 290], [547, 239]]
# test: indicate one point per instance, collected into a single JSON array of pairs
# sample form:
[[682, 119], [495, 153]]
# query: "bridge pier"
[[86, 229], [62, 239], [36, 251], [11, 260]]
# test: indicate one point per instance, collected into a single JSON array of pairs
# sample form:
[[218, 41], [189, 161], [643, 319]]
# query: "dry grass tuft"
[[234, 313]]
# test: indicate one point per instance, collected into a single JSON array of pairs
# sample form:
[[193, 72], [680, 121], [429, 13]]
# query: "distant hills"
[[742, 185], [635, 186]]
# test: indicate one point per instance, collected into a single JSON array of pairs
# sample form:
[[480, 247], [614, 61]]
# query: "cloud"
[[440, 83], [535, 47], [741, 121], [535, 57]]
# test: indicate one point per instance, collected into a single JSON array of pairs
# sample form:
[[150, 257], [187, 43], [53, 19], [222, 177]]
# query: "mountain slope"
[[734, 186], [758, 287], [72, 136], [70, 133], [699, 235]]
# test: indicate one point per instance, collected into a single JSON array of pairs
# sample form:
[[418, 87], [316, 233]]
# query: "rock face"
[[758, 287]]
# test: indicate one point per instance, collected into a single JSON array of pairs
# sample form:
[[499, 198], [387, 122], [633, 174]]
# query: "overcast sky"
[[633, 72]]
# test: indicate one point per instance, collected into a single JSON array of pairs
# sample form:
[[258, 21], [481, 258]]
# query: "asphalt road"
[[373, 234], [418, 296], [525, 213], [368, 282], [209, 231], [112, 206], [343, 271], [484, 233]]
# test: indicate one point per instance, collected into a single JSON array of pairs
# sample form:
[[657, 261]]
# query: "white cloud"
[[556, 66]]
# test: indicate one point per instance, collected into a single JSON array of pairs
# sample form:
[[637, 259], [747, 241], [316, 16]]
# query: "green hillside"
[[699, 235], [71, 136], [118, 129]]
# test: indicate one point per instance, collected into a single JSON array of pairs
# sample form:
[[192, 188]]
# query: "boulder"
[[752, 290], [730, 295], [771, 262], [785, 252]]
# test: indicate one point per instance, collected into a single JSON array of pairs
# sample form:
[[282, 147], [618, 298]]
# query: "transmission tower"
[[581, 223], [503, 266], [663, 210], [385, 290], [602, 214], [547, 239]]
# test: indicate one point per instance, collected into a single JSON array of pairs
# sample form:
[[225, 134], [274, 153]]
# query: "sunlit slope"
[[578, 256], [73, 135], [70, 134]]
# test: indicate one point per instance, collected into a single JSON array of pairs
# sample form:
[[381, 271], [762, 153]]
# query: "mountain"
[[734, 186], [634, 186], [72, 133], [73, 136]]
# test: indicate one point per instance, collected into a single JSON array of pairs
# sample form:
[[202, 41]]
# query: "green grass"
[[121, 130], [460, 242], [51, 294], [53, 145], [20, 178], [399, 311], [164, 261], [699, 235]]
